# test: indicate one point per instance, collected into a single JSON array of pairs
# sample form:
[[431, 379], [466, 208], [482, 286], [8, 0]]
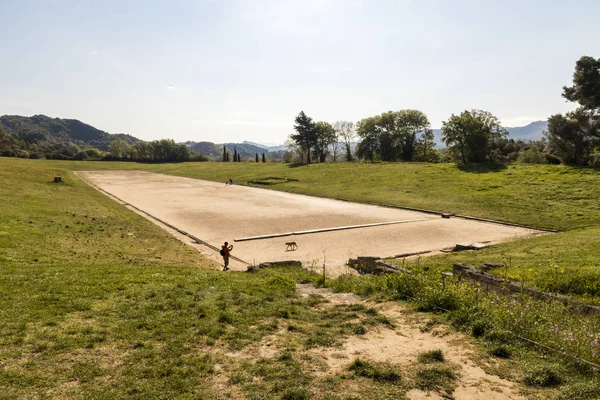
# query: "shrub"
[[380, 373], [435, 378], [93, 152], [543, 376], [532, 155], [501, 351], [432, 356]]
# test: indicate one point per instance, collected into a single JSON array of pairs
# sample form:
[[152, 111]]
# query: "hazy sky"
[[229, 71]]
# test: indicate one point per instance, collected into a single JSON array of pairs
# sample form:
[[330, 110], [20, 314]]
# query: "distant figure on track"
[[230, 181], [225, 252]]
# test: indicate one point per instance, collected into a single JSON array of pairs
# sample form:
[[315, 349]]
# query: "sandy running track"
[[214, 213]]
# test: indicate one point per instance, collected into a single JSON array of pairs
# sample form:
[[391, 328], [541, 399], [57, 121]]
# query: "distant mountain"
[[533, 131], [245, 149], [280, 147], [47, 132]]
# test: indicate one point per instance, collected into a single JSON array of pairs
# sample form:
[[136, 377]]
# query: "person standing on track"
[[225, 252]]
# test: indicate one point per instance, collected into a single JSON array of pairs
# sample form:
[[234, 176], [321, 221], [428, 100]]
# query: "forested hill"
[[49, 133]]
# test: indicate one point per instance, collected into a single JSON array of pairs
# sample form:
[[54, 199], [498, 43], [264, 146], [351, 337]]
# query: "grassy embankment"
[[97, 302]]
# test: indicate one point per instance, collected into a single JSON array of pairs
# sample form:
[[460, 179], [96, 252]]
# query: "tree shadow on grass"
[[297, 165], [482, 168]]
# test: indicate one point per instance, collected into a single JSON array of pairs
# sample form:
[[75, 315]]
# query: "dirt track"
[[216, 213]]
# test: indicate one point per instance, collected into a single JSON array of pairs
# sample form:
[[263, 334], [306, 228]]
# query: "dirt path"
[[413, 333]]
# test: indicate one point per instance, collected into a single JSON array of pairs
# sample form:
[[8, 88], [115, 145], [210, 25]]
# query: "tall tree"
[[306, 134], [471, 134], [225, 158], [394, 133], [366, 129], [426, 144], [235, 154], [118, 148], [346, 133], [264, 159], [586, 84], [572, 137], [256, 158], [409, 123], [325, 137]]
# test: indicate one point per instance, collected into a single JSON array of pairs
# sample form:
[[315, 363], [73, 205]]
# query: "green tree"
[[394, 133], [93, 152], [409, 123], [225, 156], [368, 148], [586, 84], [325, 137], [235, 154], [256, 158], [471, 134], [118, 149], [425, 146], [264, 159], [572, 137], [346, 134], [141, 151], [305, 136]]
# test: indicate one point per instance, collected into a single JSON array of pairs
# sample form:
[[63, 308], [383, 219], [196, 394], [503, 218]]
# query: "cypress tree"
[[256, 158], [224, 154], [263, 158], [235, 155]]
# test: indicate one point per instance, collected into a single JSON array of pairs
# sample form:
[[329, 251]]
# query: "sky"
[[234, 70]]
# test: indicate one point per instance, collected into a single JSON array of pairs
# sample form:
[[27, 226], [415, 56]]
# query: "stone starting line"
[[337, 228]]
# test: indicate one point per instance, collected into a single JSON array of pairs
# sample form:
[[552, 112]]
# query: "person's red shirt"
[[226, 250]]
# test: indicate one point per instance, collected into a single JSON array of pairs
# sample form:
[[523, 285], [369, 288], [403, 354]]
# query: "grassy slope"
[[97, 302]]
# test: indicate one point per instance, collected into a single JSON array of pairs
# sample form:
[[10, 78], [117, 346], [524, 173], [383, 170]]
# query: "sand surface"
[[216, 213]]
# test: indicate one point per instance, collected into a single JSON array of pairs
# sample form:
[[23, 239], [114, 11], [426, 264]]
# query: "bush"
[[82, 155], [594, 160], [380, 373], [93, 152], [501, 351], [435, 378], [532, 155], [543, 376], [432, 356]]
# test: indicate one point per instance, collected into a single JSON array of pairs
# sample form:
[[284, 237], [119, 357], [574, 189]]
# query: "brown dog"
[[291, 246]]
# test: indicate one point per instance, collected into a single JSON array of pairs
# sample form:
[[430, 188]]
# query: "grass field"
[[97, 302]]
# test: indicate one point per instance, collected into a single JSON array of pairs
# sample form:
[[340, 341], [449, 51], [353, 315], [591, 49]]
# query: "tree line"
[[473, 136], [165, 150], [237, 157]]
